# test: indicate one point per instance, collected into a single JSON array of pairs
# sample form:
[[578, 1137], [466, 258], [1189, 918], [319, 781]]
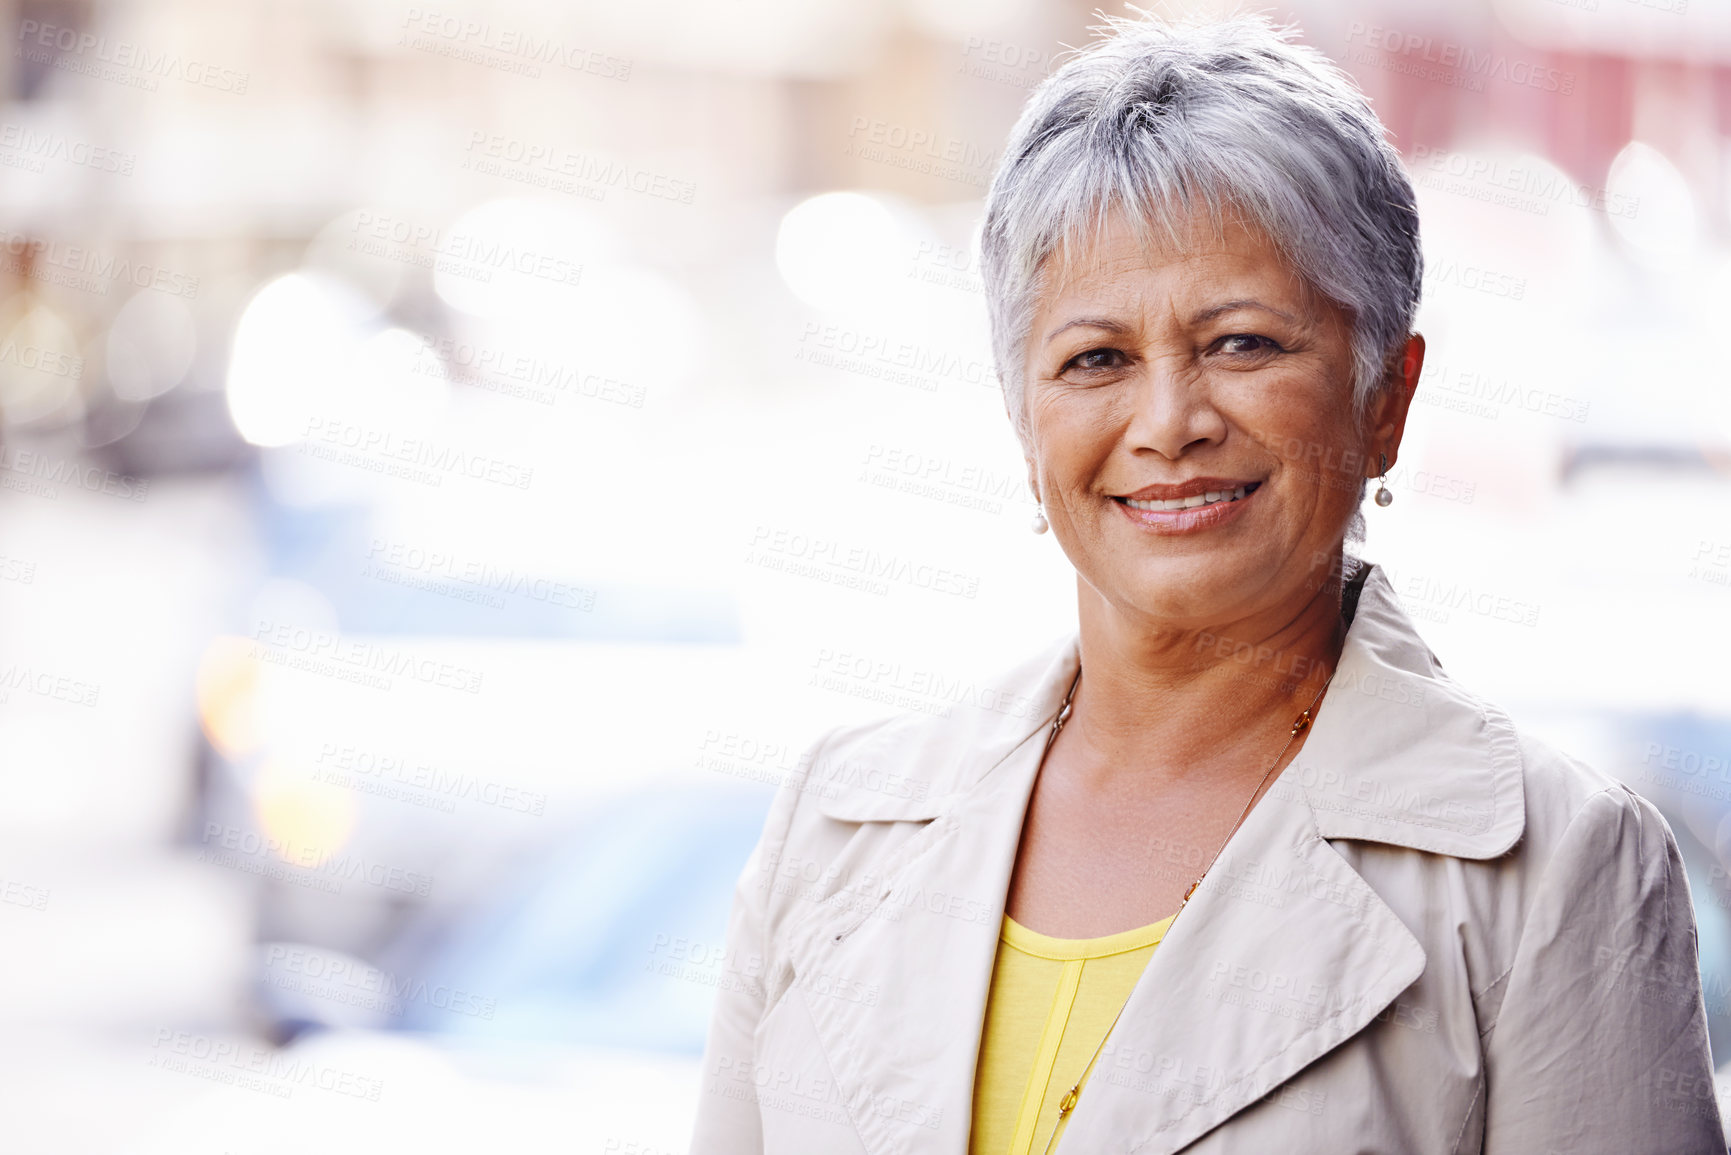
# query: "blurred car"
[[565, 1012]]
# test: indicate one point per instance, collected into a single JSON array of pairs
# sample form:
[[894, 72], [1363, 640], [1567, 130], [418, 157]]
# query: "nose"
[[1171, 412]]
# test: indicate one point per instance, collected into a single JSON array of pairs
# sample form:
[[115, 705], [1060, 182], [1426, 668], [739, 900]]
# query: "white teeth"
[[1209, 498]]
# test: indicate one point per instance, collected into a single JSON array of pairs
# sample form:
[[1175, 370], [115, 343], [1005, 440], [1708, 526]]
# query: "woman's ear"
[[1389, 411]]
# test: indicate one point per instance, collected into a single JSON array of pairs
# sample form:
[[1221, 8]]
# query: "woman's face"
[[1160, 377]]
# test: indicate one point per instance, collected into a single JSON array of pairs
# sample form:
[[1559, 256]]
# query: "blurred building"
[[445, 451]]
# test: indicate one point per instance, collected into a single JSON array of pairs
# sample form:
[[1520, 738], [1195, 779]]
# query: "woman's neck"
[[1177, 701]]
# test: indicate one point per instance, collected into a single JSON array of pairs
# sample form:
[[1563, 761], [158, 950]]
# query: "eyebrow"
[[1214, 311], [1105, 323], [1199, 318]]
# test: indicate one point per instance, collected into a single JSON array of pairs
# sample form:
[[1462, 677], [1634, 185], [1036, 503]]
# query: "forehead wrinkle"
[[1271, 281], [1135, 303]]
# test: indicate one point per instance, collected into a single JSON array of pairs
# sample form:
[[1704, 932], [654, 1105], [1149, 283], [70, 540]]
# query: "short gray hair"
[[1156, 118]]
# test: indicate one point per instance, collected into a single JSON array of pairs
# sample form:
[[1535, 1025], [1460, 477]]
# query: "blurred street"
[[453, 461]]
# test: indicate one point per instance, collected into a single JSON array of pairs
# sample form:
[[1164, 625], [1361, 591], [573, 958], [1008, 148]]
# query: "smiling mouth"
[[1194, 501]]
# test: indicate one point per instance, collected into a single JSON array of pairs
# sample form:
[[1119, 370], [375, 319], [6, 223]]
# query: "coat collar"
[[1283, 953], [1399, 754]]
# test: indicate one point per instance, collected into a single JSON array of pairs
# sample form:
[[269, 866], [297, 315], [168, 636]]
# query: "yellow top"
[[1051, 1003]]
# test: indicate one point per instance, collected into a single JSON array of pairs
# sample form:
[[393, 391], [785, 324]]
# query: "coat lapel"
[[1284, 952], [921, 933], [1403, 755]]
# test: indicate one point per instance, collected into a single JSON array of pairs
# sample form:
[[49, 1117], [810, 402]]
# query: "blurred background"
[[455, 458]]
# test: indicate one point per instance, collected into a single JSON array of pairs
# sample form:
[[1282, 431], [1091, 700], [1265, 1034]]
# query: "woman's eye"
[[1248, 343], [1095, 360]]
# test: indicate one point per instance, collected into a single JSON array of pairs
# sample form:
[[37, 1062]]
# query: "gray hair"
[[1155, 118]]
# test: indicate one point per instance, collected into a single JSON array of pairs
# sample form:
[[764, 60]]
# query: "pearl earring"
[[1383, 496], [1041, 525]]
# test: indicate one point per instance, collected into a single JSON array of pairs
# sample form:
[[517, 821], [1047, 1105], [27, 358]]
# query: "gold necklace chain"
[[1299, 726]]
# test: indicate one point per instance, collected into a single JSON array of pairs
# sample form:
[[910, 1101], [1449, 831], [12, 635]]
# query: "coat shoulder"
[[913, 765], [1561, 790], [864, 788]]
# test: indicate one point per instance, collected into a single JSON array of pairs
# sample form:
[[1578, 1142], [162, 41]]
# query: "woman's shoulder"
[[913, 762], [1557, 784], [1420, 760], [1573, 808], [1562, 794], [1590, 850], [1562, 798], [862, 787]]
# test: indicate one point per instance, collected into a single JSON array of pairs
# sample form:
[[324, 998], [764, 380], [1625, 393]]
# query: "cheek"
[[1304, 430], [1321, 459], [1071, 438]]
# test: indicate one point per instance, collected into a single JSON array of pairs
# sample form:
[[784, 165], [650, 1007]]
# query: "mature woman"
[[1252, 874]]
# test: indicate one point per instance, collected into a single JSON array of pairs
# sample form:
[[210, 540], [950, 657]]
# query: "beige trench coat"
[[1432, 935]]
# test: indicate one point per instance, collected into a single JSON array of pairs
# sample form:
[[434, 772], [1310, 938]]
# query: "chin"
[[1196, 590]]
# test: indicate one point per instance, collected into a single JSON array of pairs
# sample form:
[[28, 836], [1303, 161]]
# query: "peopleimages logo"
[[85, 269], [44, 684], [1530, 187], [316, 651], [1457, 61], [76, 51], [414, 780], [42, 474], [51, 361], [254, 1067], [233, 846], [337, 978], [442, 572], [498, 46], [580, 167], [460, 253], [415, 458], [38, 147]]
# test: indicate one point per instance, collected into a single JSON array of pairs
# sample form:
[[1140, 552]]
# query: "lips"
[[1203, 491]]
